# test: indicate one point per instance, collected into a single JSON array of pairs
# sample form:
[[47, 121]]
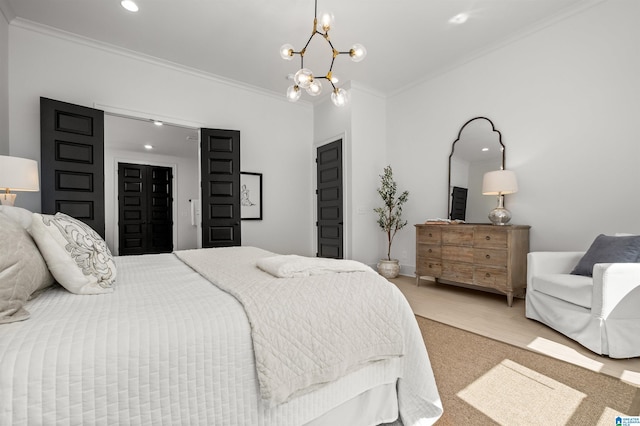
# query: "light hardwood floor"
[[487, 314]]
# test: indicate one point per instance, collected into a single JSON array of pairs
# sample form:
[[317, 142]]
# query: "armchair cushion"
[[576, 289], [608, 249]]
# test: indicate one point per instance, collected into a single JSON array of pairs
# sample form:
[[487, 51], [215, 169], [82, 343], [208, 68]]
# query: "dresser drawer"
[[459, 272], [429, 251], [457, 253], [490, 277], [490, 237], [457, 235], [490, 257], [429, 235], [429, 267]]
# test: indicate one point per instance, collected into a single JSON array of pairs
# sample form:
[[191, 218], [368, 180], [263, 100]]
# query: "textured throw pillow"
[[77, 256], [22, 270], [608, 249]]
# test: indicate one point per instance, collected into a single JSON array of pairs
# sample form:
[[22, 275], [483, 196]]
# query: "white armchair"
[[601, 313]]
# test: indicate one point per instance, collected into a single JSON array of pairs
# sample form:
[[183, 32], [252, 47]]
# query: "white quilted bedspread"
[[307, 330], [169, 348]]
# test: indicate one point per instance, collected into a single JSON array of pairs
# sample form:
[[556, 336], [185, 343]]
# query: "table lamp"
[[499, 182], [17, 174]]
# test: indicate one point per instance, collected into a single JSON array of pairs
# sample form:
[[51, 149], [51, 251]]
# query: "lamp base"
[[7, 199], [500, 216]]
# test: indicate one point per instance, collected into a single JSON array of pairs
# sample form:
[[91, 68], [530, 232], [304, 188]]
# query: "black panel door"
[[145, 215], [72, 161], [329, 200], [220, 170]]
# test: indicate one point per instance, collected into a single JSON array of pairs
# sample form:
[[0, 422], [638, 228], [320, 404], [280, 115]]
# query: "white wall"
[[566, 100], [4, 85], [368, 159], [276, 136]]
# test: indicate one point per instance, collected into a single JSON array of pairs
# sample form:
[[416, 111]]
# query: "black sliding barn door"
[[220, 171], [72, 161], [145, 209], [329, 200]]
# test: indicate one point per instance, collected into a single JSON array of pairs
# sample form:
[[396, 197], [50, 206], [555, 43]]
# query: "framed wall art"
[[250, 196]]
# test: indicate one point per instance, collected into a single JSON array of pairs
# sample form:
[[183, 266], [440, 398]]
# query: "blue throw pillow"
[[608, 249]]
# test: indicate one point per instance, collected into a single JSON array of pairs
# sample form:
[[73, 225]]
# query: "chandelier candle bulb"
[[286, 52], [293, 93], [326, 21]]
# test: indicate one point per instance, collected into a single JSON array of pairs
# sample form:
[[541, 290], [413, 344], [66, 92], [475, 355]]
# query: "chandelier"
[[304, 78]]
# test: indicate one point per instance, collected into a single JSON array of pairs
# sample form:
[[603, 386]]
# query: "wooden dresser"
[[489, 256]]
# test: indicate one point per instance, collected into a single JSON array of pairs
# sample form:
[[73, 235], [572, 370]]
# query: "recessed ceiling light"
[[485, 149], [460, 18], [158, 123], [130, 5], [147, 146]]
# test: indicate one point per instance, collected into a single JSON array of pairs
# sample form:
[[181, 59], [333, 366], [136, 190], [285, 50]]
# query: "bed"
[[184, 338]]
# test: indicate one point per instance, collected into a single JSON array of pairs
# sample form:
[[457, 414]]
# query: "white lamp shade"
[[499, 182], [18, 174]]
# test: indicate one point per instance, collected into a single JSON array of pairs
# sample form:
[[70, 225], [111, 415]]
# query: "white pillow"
[[75, 254], [18, 214], [22, 270]]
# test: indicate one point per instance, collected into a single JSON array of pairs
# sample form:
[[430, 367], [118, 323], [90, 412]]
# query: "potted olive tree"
[[390, 219]]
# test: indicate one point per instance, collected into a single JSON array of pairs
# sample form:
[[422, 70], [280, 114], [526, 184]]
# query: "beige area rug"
[[485, 382]]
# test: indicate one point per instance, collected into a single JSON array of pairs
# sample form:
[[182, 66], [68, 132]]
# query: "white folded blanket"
[[292, 266]]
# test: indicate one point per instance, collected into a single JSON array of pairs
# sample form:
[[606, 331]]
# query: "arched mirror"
[[477, 150]]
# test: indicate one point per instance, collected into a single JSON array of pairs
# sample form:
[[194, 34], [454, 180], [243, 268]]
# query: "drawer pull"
[[487, 256], [488, 237], [430, 251], [487, 275], [430, 234]]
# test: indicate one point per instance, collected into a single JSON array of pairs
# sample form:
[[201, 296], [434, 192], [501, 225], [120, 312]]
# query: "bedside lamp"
[[499, 182], [17, 174]]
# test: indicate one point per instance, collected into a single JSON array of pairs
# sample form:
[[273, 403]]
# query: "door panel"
[[329, 200], [72, 161], [220, 167]]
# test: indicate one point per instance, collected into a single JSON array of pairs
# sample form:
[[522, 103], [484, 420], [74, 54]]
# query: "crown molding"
[[131, 54], [7, 11]]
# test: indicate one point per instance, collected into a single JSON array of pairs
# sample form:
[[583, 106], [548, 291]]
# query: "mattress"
[[168, 347]]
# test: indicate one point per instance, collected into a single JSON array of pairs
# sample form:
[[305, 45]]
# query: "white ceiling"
[[407, 40]]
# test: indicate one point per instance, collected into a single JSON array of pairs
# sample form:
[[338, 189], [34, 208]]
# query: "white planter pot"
[[389, 268]]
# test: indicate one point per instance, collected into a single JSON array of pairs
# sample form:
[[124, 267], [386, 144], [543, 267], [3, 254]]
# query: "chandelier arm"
[[332, 62], [304, 49], [328, 79], [326, 37]]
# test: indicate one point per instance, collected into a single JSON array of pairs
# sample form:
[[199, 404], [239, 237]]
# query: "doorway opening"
[[175, 146]]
